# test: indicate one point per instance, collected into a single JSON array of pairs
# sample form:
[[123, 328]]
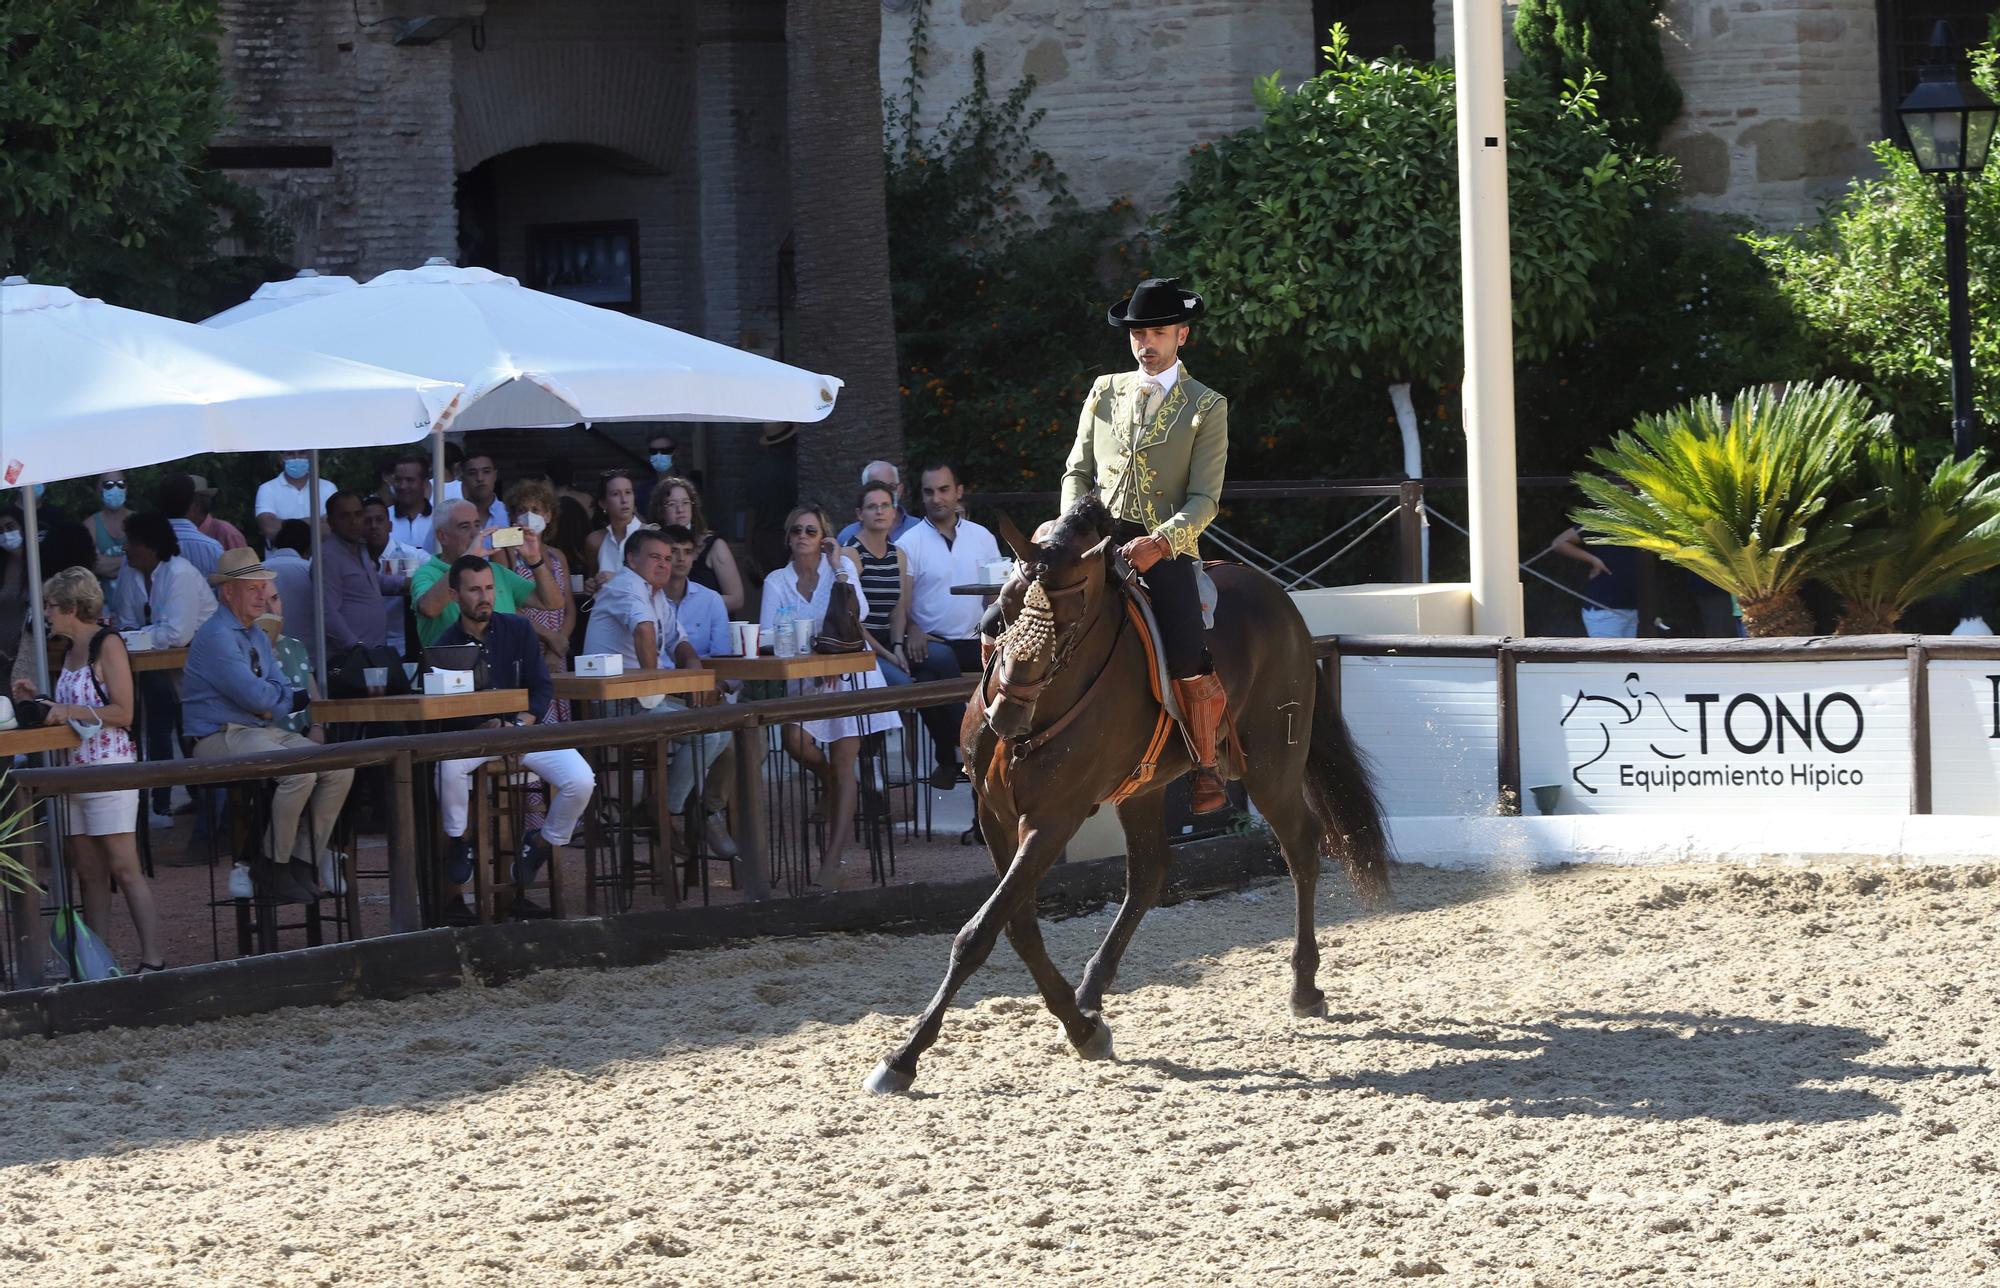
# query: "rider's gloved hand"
[[1143, 552]]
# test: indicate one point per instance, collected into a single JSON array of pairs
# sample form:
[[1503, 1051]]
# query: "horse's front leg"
[[1037, 849], [1146, 860]]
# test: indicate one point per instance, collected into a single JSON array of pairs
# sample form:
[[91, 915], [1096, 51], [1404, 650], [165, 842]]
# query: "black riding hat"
[[1157, 301]]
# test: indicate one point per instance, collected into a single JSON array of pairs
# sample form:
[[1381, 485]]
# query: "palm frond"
[[1933, 531], [15, 825]]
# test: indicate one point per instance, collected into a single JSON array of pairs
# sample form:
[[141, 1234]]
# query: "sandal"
[[149, 968]]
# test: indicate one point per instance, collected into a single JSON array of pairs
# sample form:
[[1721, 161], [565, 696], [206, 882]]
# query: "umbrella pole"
[[318, 568], [437, 467], [34, 553]]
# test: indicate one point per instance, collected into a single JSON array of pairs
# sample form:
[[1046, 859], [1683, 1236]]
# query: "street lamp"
[[1950, 126]]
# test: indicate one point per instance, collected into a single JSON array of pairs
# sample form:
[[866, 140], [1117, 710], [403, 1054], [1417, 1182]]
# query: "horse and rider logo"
[[1605, 710]]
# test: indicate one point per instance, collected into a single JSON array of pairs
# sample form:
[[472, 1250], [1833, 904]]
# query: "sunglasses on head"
[[801, 530]]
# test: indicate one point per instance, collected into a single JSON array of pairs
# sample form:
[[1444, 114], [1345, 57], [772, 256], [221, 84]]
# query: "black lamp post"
[[1950, 126]]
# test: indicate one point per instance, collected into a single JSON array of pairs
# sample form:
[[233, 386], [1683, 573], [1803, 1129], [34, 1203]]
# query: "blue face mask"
[[661, 462], [297, 467], [114, 497], [39, 489]]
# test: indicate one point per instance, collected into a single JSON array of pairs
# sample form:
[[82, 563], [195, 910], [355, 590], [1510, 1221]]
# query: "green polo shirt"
[[510, 591]]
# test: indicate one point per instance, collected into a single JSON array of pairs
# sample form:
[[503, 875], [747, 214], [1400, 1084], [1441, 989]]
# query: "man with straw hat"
[[234, 695]]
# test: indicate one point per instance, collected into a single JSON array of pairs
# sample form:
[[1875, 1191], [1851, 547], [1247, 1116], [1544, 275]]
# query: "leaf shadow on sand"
[[1646, 1065]]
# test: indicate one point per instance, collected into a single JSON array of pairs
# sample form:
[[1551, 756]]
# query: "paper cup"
[[576, 583], [744, 636], [377, 680], [410, 671]]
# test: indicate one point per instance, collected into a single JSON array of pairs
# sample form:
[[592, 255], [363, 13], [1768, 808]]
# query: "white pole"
[[33, 551], [318, 646], [1489, 317]]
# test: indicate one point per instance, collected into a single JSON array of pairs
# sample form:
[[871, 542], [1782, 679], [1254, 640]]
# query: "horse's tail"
[[1340, 792]]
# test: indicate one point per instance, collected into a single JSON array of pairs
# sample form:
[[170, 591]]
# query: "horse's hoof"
[[1314, 1010], [887, 1080], [1098, 1045]]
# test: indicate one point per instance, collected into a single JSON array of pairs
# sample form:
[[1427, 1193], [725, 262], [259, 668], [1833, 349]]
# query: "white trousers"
[[565, 771]]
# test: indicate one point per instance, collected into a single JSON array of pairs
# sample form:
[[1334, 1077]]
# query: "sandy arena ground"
[[1654, 1076]]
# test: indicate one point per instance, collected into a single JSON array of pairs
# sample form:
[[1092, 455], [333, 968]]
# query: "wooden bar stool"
[[495, 822]]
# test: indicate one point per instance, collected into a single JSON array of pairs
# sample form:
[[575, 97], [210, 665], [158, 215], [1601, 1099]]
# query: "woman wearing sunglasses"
[[830, 748], [107, 526]]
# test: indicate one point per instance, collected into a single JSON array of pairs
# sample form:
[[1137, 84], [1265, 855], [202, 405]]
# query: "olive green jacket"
[[1167, 477]]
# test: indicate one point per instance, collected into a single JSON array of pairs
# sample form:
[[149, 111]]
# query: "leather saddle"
[[1140, 605]]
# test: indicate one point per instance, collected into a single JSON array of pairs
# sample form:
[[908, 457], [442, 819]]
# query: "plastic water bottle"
[[782, 643]]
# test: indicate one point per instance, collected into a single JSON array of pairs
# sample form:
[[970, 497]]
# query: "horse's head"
[[1056, 590]]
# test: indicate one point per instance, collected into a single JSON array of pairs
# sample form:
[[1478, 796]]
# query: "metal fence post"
[[1510, 731], [406, 911], [746, 812], [1920, 729], [1410, 531]]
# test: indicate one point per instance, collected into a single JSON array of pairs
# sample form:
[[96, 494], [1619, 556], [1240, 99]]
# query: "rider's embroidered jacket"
[[1166, 474]]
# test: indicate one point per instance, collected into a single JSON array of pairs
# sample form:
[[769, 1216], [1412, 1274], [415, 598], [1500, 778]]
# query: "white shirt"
[[392, 602], [611, 550], [175, 607], [781, 591], [280, 497], [1166, 380], [936, 567], [626, 601], [413, 532]]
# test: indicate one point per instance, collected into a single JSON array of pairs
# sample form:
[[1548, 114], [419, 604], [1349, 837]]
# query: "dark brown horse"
[[1066, 713]]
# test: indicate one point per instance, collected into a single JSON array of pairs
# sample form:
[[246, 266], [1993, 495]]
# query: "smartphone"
[[506, 538]]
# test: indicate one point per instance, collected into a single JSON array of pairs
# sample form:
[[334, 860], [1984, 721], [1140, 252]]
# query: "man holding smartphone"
[[457, 528]]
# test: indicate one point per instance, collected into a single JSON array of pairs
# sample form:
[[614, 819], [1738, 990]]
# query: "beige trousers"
[[315, 797]]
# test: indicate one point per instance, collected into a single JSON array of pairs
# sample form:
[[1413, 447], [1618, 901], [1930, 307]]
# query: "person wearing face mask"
[[660, 449], [107, 526], [284, 497], [533, 505], [13, 583]]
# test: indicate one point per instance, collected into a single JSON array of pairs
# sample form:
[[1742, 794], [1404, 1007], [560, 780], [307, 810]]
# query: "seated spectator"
[[177, 502], [458, 535], [888, 475], [297, 669], [831, 748], [606, 546], [1613, 585], [354, 582], [532, 505], [107, 525], [284, 497], [704, 619], [235, 694], [291, 566], [410, 516], [391, 558], [98, 689], [634, 618], [479, 483], [885, 579], [943, 551], [676, 501], [221, 531], [159, 592], [514, 660]]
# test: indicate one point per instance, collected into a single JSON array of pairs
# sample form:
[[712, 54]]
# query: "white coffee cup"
[[576, 583], [377, 680], [744, 636]]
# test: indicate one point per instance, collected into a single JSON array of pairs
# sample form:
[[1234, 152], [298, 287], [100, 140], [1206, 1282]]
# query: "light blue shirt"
[[231, 678], [625, 602], [704, 619], [295, 586], [197, 547], [904, 522]]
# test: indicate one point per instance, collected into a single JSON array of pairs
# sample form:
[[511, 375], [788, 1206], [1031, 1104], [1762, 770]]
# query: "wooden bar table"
[[157, 659], [595, 691], [149, 661], [30, 947], [413, 883], [804, 666]]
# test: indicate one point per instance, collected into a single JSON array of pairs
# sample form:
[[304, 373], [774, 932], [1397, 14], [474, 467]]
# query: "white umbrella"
[[272, 296], [86, 386], [529, 359]]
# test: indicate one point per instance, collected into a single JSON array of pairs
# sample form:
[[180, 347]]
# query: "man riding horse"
[[1152, 443]]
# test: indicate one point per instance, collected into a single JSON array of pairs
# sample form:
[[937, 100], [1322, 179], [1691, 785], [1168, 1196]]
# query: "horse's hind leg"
[[1144, 820], [1284, 807], [1087, 1033], [1037, 850]]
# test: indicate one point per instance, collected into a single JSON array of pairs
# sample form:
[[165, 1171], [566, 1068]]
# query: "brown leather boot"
[[1204, 704]]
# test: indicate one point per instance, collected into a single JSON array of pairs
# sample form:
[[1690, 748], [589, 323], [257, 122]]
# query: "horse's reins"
[[1028, 693]]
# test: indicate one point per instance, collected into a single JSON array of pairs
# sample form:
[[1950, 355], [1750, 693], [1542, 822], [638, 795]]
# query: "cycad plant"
[[1754, 500], [15, 823], [1932, 532]]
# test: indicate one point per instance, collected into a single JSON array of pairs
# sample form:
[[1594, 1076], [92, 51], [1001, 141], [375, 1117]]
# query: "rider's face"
[[1157, 347]]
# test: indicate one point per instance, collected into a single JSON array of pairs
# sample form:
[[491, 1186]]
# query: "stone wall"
[[1129, 87]]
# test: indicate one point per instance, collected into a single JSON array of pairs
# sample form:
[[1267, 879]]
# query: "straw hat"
[[241, 564]]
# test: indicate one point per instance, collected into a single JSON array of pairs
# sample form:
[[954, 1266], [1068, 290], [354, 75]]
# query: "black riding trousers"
[[1177, 605]]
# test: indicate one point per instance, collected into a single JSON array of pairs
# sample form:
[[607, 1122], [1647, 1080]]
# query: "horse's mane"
[[1082, 525]]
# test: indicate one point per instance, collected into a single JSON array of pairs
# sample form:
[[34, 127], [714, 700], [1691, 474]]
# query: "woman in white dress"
[[607, 544], [828, 748]]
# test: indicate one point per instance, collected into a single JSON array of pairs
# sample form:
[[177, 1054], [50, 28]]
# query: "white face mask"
[[11, 540], [533, 522]]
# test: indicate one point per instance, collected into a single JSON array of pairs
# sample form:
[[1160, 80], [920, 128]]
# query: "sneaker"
[[720, 843], [332, 864], [458, 858], [533, 854], [240, 886]]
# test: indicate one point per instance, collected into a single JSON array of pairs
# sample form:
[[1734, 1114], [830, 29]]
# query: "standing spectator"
[[355, 583], [107, 526], [704, 619], [457, 536], [1613, 583], [634, 619], [606, 546], [677, 501], [13, 582], [410, 517], [830, 749], [284, 497], [291, 568], [221, 531], [176, 496], [532, 504], [885, 580], [479, 476], [886, 474], [561, 474], [98, 690], [660, 449], [513, 661], [65, 545], [390, 557], [943, 551], [159, 592], [235, 695]]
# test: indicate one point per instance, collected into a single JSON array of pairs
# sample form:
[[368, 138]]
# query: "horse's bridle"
[[1064, 647]]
